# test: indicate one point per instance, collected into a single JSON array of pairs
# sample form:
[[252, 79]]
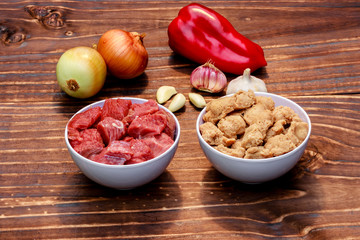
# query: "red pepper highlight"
[[201, 34]]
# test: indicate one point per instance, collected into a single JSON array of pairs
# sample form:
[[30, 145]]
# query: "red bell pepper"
[[201, 34]]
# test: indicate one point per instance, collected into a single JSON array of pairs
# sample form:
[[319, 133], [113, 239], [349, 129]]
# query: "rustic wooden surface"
[[313, 54]]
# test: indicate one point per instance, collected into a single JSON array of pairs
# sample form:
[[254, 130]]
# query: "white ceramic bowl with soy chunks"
[[253, 137]]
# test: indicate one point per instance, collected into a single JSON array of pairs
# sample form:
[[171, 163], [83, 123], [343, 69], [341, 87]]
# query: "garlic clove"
[[208, 78], [164, 93], [246, 82], [197, 100], [177, 103]]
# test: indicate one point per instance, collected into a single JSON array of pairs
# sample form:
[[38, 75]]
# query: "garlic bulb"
[[246, 82], [208, 78]]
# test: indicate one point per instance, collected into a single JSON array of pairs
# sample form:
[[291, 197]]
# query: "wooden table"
[[313, 54]]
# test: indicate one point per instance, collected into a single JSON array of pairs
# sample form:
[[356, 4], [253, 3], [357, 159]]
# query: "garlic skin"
[[208, 78], [246, 82]]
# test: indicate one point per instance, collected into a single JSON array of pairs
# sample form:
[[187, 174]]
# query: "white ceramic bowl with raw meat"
[[122, 160], [256, 170]]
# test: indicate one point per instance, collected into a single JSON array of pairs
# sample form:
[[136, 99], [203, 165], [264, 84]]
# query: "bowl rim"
[[258, 160], [175, 143]]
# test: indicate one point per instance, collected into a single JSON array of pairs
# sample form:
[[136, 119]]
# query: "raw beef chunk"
[[141, 109], [117, 153], [88, 149], [111, 129], [116, 108], [73, 134], [88, 143], [147, 125], [170, 123], [87, 135], [159, 143], [85, 119], [141, 151]]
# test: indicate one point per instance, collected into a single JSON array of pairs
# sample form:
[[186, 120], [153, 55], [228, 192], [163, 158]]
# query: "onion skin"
[[124, 53], [81, 72]]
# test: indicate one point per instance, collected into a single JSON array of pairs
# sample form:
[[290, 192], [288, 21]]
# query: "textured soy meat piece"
[[117, 153], [116, 108], [213, 136], [219, 108], [111, 129], [235, 152], [261, 112], [232, 125], [159, 143], [146, 126], [279, 145], [254, 135], [85, 119], [258, 152], [141, 109]]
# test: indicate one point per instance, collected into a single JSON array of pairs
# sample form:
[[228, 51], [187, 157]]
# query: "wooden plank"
[[312, 49]]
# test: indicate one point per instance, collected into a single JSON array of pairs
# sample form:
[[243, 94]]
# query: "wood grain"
[[312, 49]]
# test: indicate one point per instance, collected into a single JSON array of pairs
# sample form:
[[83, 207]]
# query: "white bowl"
[[124, 176], [256, 170]]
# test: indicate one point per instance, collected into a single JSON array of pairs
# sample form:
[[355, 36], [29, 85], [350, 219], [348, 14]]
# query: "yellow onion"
[[124, 53], [81, 72]]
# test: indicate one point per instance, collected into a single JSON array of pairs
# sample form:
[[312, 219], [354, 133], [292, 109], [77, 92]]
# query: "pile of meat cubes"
[[122, 132]]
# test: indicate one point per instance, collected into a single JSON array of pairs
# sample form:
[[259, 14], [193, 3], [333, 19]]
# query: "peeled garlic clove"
[[177, 103], [164, 93], [208, 78], [246, 82], [197, 100]]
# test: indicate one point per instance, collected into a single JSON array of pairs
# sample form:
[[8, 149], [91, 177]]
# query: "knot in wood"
[[54, 20], [11, 35], [49, 16]]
